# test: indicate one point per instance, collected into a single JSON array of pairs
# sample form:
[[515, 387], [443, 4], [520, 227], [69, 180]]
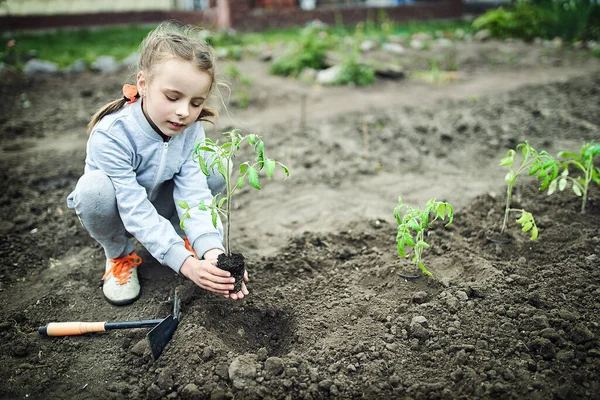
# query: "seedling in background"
[[221, 204], [542, 165], [584, 162], [413, 223]]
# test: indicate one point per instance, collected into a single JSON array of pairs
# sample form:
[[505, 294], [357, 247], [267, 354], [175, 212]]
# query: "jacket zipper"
[[161, 166]]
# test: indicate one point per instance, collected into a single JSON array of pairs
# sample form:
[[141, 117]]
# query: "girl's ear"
[[141, 83]]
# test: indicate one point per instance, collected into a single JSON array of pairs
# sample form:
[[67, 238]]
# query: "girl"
[[139, 165]]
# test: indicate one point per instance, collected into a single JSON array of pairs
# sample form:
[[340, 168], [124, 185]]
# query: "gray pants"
[[95, 203]]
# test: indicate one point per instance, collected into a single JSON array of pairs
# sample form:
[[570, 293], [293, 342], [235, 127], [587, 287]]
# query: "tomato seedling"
[[584, 162], [222, 161], [541, 164], [417, 221]]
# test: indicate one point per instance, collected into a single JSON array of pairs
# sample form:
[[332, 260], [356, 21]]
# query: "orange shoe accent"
[[188, 247], [121, 268]]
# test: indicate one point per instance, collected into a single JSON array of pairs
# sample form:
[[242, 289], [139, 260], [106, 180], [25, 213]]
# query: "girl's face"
[[175, 96]]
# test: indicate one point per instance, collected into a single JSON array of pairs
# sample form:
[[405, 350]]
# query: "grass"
[[66, 46]]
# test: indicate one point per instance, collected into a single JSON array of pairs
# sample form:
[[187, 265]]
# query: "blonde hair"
[[167, 40]]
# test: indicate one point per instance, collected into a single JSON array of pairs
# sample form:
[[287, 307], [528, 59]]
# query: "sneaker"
[[188, 247], [121, 285]]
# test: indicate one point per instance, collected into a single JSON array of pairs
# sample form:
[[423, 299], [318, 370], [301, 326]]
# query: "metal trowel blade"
[[161, 334]]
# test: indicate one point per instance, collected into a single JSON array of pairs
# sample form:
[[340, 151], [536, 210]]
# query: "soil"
[[328, 315], [236, 266]]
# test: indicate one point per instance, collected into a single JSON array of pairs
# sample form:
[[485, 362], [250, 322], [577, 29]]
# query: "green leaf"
[[202, 206], [408, 239], [243, 168], [552, 187], [285, 170], [507, 162], [596, 175], [545, 183], [213, 213], [204, 148], [534, 233], [562, 184], [510, 177], [270, 167], [253, 178], [223, 200], [425, 269], [252, 139], [421, 244], [441, 211], [450, 212], [183, 204], [527, 226], [577, 190], [567, 154], [414, 225], [203, 166], [181, 224], [240, 181], [401, 250]]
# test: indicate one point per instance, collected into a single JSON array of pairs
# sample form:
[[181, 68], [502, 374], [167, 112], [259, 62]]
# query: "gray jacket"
[[126, 148]]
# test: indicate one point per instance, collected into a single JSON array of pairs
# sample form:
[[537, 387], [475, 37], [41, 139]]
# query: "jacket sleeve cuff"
[[206, 242], [176, 255]]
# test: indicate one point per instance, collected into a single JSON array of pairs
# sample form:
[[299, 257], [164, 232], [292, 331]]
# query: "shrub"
[[308, 52]]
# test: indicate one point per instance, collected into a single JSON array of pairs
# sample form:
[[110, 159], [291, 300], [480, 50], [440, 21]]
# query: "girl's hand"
[[212, 255], [207, 275]]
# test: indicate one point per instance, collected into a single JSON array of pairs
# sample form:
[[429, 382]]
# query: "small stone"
[[391, 346], [462, 295], [262, 354], [581, 334], [368, 45], [421, 320], [139, 348], [105, 65], [241, 370], [273, 366], [165, 380], [565, 355], [393, 48], [35, 67], [220, 394], [191, 392], [419, 297], [207, 353]]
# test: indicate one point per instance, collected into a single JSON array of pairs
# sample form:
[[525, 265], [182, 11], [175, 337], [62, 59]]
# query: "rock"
[[35, 67], [154, 392], [207, 353], [394, 48], [273, 366], [191, 392], [105, 65], [165, 380], [368, 45], [241, 370], [262, 354], [444, 43], [418, 331], [567, 315], [266, 56], [452, 303], [417, 44], [419, 320], [220, 394], [388, 70], [557, 43], [543, 347], [565, 355], [77, 67], [419, 297], [581, 334], [462, 295], [140, 348], [482, 35], [329, 76]]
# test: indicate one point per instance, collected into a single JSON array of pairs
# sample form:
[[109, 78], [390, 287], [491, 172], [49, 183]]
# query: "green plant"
[[417, 221], [584, 162], [544, 166], [241, 86], [308, 52], [353, 72], [222, 160]]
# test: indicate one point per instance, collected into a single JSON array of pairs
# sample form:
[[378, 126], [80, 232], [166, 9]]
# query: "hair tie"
[[130, 93]]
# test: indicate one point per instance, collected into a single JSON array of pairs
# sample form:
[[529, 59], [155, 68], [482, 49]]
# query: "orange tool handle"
[[71, 328]]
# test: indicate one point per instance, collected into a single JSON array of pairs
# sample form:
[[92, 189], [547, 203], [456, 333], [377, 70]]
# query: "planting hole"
[[249, 329]]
